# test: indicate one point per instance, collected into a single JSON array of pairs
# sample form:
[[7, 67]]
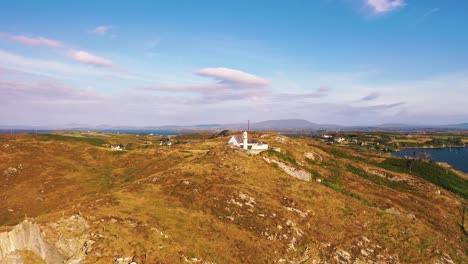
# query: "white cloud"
[[43, 67], [384, 6], [100, 30], [33, 41], [231, 85], [88, 58], [227, 75]]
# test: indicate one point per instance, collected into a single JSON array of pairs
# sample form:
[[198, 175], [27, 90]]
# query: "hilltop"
[[202, 201]]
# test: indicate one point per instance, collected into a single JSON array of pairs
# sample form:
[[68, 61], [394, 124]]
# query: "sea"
[[456, 157], [122, 131]]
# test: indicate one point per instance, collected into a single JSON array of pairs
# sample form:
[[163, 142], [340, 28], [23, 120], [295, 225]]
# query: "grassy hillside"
[[203, 201], [431, 172]]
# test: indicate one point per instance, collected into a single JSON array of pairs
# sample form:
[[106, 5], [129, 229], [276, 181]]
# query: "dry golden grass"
[[205, 200]]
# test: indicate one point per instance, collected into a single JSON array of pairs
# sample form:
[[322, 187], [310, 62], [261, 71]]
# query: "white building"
[[117, 148], [339, 139], [247, 142]]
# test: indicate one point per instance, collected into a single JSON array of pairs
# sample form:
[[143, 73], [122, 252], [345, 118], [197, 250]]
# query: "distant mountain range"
[[282, 124]]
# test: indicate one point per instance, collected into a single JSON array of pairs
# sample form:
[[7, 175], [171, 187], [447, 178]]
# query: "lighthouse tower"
[[245, 140]]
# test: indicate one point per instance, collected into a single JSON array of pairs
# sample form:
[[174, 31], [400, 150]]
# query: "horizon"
[[343, 62], [222, 125]]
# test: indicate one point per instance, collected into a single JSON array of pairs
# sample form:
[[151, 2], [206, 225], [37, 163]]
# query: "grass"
[[128, 175], [285, 157], [337, 187], [430, 172], [396, 185], [310, 161], [150, 191], [88, 140], [345, 155], [334, 182]]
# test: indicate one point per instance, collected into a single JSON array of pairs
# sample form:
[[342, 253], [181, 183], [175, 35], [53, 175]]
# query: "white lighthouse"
[[246, 141]]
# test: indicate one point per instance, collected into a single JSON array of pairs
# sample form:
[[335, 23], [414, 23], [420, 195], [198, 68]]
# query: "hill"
[[202, 201]]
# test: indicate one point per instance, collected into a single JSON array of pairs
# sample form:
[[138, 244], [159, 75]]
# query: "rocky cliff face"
[[62, 242]]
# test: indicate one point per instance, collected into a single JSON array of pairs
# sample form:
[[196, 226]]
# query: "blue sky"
[[351, 62]]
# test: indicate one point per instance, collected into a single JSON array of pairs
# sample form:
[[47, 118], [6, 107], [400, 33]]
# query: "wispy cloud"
[[226, 75], [77, 55], [43, 90], [100, 30], [384, 6], [371, 96], [430, 12], [43, 67], [323, 89], [88, 58], [288, 97], [32, 41], [230, 84]]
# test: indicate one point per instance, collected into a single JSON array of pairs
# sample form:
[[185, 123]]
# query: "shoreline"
[[427, 147], [440, 163]]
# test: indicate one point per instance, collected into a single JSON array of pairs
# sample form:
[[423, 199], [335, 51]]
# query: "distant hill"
[[280, 124], [396, 125], [458, 126]]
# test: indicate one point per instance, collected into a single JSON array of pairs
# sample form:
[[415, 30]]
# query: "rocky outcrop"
[[65, 241], [394, 211], [291, 171], [27, 236]]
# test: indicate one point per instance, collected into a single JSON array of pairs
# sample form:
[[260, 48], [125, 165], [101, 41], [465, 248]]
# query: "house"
[[247, 142], [117, 148], [327, 136], [339, 139], [165, 141]]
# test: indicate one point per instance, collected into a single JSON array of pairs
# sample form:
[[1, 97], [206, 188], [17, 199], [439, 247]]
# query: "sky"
[[151, 63]]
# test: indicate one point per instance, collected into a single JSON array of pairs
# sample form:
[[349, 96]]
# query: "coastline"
[[429, 147], [462, 174], [444, 164]]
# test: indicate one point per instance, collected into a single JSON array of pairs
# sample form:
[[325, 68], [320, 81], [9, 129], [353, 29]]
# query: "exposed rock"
[[249, 201], [282, 139], [63, 242], [124, 260], [394, 211], [301, 213], [309, 155], [27, 236], [342, 256], [12, 258], [11, 171], [291, 171]]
